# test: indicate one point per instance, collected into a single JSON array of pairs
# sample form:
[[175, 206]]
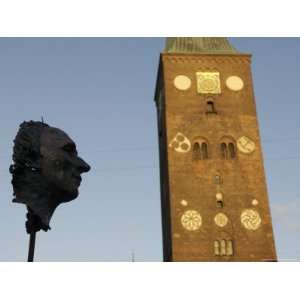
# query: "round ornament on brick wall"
[[221, 220], [180, 143], [250, 218], [245, 145], [182, 82], [234, 83], [191, 220]]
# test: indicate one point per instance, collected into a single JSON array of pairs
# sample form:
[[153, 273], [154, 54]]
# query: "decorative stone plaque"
[[250, 219], [208, 82], [221, 220], [234, 83], [180, 143], [182, 82], [191, 220], [245, 145]]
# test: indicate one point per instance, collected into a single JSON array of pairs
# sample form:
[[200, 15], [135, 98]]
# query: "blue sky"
[[100, 91]]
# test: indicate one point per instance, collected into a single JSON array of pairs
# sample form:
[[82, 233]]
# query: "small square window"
[[220, 204]]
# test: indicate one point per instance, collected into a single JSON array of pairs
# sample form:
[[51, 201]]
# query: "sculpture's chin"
[[70, 195]]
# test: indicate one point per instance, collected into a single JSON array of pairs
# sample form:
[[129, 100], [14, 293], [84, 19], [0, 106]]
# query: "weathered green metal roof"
[[214, 45]]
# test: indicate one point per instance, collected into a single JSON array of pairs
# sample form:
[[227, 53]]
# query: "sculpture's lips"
[[77, 179]]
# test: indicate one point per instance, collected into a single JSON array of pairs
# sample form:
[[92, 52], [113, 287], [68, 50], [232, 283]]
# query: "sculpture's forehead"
[[54, 137]]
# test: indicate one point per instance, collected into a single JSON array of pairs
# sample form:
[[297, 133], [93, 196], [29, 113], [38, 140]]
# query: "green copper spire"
[[213, 45]]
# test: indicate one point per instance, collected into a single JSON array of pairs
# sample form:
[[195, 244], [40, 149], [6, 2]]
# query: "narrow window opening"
[[200, 151], [223, 247], [231, 150], [210, 108], [220, 204], [224, 151], [229, 248], [196, 152], [217, 248], [218, 179], [204, 151]]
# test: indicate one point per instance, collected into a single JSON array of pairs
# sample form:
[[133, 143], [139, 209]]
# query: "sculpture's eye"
[[70, 148]]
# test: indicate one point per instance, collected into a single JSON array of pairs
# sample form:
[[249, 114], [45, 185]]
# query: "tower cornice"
[[212, 45]]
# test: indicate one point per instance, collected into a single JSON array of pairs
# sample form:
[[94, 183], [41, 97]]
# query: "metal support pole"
[[31, 246]]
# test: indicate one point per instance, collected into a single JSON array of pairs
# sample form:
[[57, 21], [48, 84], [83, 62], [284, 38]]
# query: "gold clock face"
[[245, 145], [250, 219], [208, 82], [221, 220], [182, 82], [191, 220], [234, 83]]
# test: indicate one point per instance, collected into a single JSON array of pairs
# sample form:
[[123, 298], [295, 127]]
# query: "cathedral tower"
[[213, 188]]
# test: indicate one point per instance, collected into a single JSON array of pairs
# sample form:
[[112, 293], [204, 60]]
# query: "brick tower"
[[213, 188]]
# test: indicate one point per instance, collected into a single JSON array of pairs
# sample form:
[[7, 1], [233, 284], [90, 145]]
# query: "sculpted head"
[[47, 169]]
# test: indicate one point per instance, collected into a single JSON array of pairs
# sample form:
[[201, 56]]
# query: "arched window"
[[200, 150], [196, 152], [223, 247], [210, 107], [224, 151], [217, 248], [231, 150], [227, 148], [204, 151], [229, 250]]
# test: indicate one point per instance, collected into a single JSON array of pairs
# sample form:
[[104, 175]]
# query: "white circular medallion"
[[182, 82], [254, 202], [250, 218], [191, 220], [219, 196], [235, 83], [221, 220], [245, 145]]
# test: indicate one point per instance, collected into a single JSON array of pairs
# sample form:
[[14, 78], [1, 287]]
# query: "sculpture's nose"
[[83, 167]]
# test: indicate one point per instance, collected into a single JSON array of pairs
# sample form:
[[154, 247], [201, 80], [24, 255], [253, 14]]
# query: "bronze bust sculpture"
[[46, 171]]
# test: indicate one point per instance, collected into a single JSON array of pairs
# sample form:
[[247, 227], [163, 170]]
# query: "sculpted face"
[[46, 171], [61, 166]]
